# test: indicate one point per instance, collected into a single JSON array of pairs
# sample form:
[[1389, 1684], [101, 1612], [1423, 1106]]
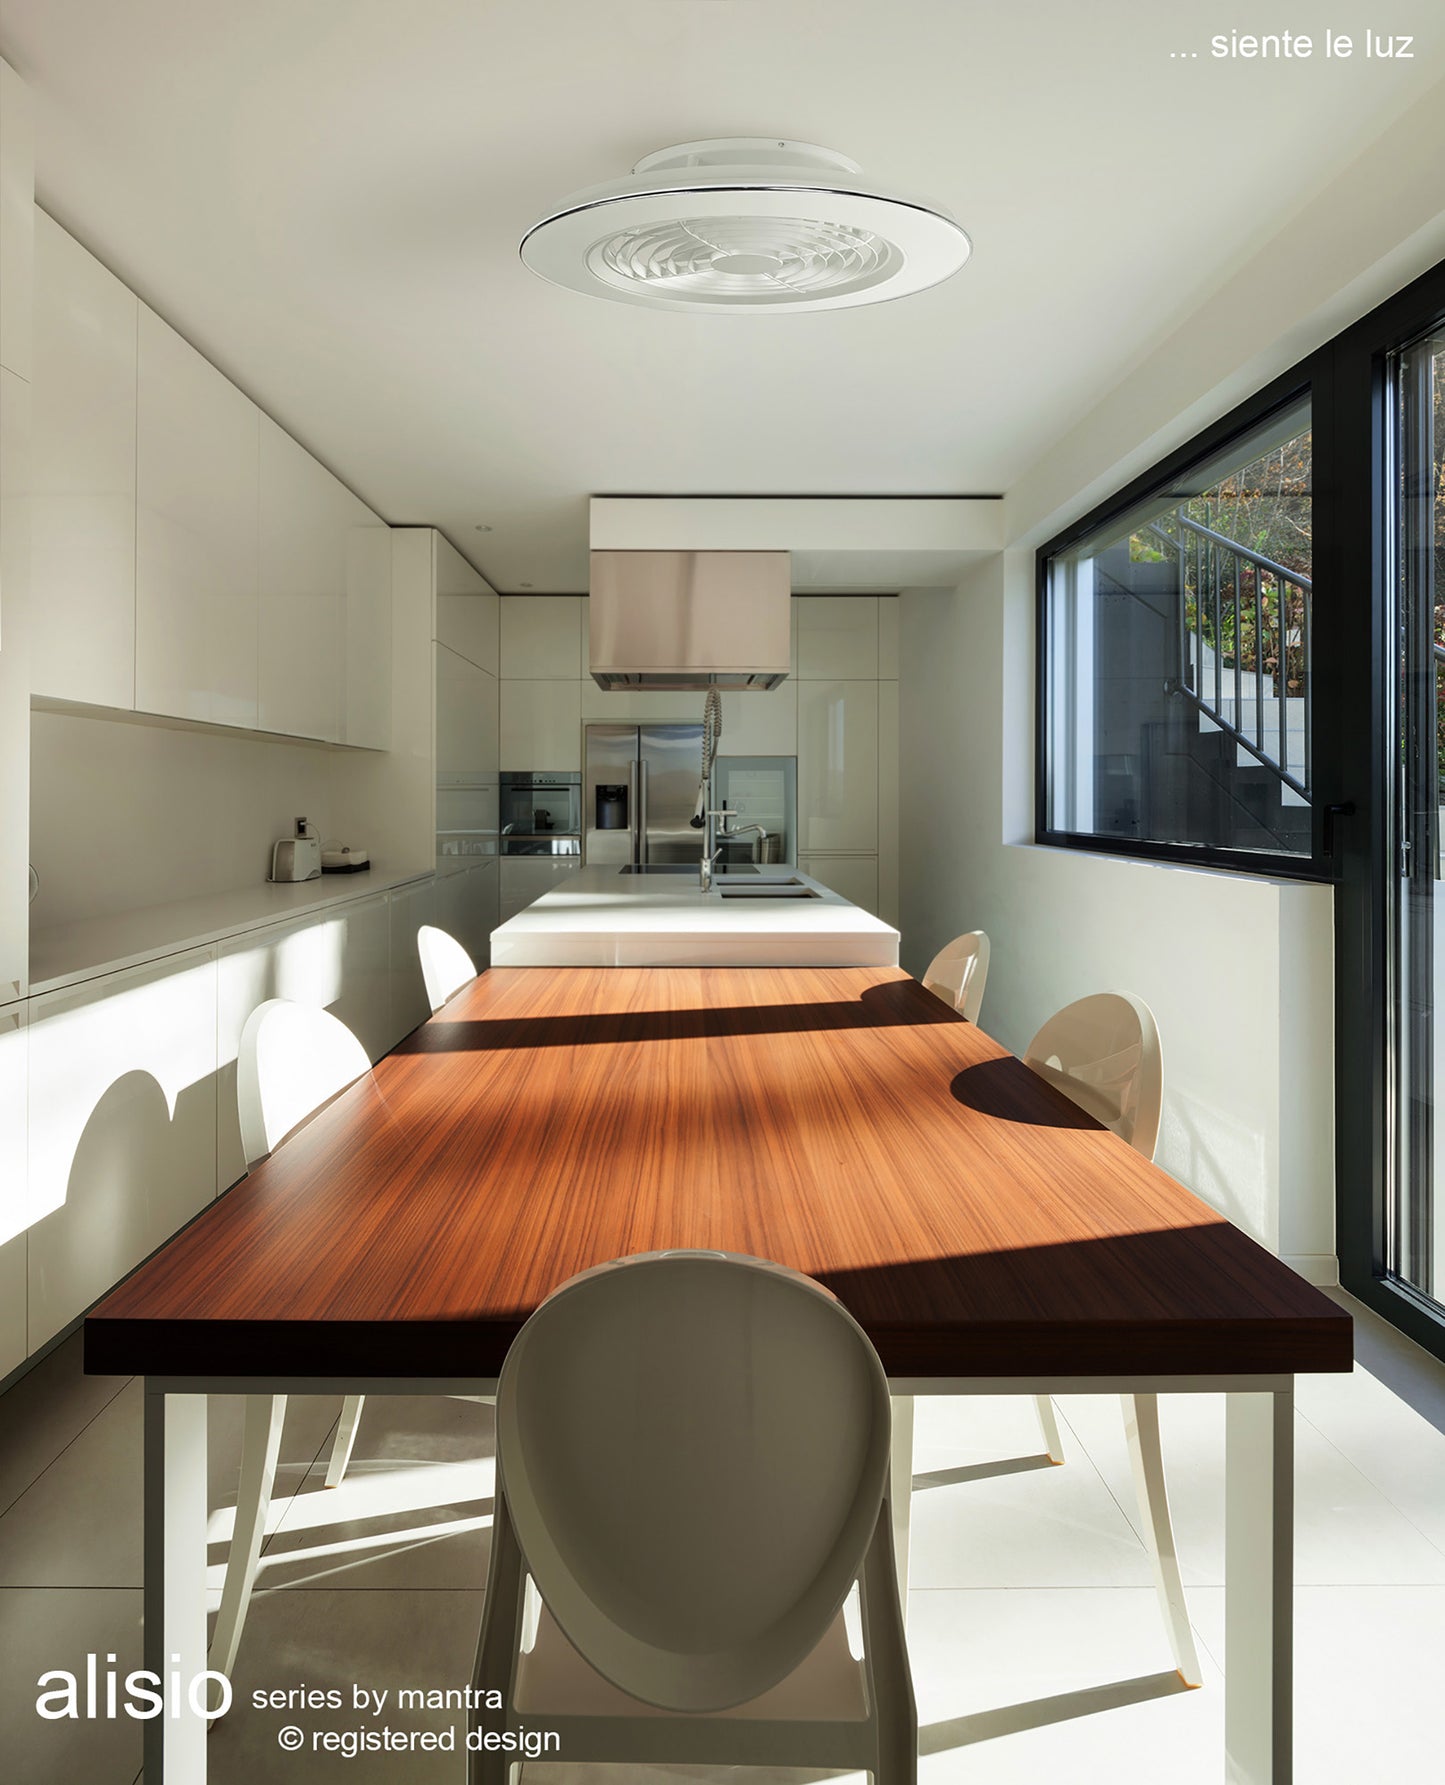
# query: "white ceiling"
[[326, 196]]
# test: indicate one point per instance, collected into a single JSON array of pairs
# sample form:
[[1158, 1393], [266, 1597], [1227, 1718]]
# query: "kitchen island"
[[773, 917]]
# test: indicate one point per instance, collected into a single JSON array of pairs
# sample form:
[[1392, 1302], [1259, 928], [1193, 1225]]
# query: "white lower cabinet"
[[340, 960], [411, 907], [14, 1212], [122, 1120], [852, 877], [524, 879], [466, 908]]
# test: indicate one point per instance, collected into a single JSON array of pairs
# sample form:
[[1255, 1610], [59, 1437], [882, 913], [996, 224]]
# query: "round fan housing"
[[744, 224]]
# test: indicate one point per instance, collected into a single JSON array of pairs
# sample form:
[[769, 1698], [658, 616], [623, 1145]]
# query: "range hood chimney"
[[690, 619]]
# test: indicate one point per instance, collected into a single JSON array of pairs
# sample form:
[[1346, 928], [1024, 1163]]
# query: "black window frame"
[[1366, 992], [1307, 379]]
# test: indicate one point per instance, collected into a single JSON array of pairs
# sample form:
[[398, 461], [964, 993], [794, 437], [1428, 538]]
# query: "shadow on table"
[[898, 1004]]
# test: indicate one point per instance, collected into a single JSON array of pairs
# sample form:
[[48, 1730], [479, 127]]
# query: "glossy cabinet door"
[[466, 908], [198, 444], [14, 690], [366, 718], [889, 607], [411, 907], [888, 833], [541, 725], [14, 1206], [82, 476], [838, 766], [468, 612], [542, 637], [837, 636], [122, 1147], [338, 959], [852, 877], [757, 723], [301, 612]]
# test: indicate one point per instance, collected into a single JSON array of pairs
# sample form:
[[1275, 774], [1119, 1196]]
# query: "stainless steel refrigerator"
[[639, 790]]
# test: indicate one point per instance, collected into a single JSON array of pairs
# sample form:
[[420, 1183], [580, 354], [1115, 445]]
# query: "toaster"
[[296, 858]]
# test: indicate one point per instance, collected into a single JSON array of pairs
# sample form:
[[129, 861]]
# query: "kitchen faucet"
[[717, 835]]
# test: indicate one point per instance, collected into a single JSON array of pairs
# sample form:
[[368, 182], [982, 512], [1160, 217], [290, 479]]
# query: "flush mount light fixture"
[[745, 223]]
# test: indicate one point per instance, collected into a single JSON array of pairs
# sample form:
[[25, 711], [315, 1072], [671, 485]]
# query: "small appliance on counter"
[[344, 859], [298, 857]]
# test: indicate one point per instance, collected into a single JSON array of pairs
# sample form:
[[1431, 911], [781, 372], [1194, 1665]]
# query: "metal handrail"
[[1240, 551], [1217, 560]]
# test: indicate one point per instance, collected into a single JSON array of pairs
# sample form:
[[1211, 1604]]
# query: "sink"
[[789, 888]]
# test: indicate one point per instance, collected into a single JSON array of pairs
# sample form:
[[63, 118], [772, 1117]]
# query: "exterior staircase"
[[1215, 742]]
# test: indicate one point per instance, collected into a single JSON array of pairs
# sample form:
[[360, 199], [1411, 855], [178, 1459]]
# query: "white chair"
[[959, 972], [1104, 1054], [692, 1478], [293, 1058], [445, 964]]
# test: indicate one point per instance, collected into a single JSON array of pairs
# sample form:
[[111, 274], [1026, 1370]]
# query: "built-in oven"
[[541, 812]]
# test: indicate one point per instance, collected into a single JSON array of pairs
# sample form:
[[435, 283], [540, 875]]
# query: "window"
[[1415, 1247], [1176, 675]]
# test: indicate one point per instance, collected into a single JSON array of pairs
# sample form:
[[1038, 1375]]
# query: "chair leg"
[[345, 1438], [885, 1652], [1049, 1426], [1146, 1459], [260, 1447]]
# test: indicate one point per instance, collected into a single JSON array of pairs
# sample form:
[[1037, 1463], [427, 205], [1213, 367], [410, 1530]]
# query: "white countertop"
[[71, 952], [602, 918]]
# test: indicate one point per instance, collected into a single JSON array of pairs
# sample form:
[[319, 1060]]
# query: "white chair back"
[[959, 972], [292, 1059], [445, 964], [693, 1449], [1104, 1054]]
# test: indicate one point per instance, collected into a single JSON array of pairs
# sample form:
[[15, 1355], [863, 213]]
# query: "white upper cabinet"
[[542, 636], [837, 765], [541, 725], [366, 716], [198, 441], [468, 613], [82, 476], [302, 613], [837, 636]]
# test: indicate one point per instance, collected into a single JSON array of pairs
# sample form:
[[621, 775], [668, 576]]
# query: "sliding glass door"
[[1415, 1229]]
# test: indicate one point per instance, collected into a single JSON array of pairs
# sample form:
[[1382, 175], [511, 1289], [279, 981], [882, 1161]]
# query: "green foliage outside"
[[1267, 508]]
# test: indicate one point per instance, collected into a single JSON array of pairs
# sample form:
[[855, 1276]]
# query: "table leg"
[[175, 1584], [902, 1489], [1259, 1588]]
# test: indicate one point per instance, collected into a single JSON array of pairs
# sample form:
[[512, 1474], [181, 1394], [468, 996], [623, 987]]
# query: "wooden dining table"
[[988, 1235]]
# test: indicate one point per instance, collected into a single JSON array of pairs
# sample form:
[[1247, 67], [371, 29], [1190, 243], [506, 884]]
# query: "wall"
[[124, 815], [1227, 962], [1239, 970]]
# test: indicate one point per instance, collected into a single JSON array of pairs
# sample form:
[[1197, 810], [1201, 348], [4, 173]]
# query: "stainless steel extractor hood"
[[690, 619]]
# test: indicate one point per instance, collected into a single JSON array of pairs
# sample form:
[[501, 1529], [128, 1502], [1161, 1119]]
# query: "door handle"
[[633, 835], [642, 814], [1342, 809]]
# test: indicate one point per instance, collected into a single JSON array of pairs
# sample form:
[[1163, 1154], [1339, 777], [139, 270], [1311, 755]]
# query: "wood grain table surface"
[[839, 1120]]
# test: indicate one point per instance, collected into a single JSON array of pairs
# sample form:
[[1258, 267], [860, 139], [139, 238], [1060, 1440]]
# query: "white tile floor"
[[1036, 1644]]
